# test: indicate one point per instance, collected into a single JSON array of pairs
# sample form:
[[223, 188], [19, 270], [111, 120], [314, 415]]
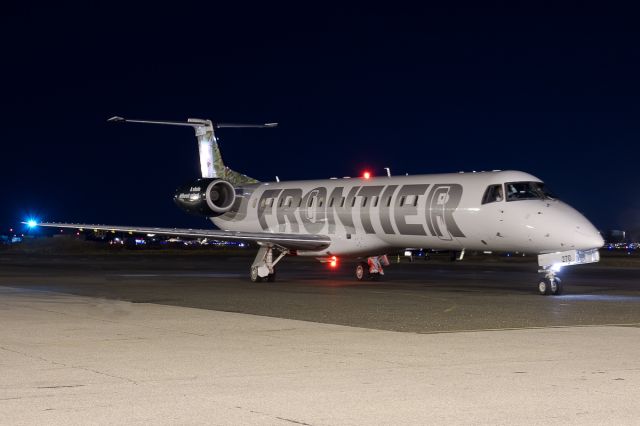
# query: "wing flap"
[[289, 241]]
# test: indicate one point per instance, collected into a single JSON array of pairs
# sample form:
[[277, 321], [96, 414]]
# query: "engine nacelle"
[[206, 197]]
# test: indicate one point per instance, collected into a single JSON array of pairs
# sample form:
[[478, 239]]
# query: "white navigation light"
[[31, 223]]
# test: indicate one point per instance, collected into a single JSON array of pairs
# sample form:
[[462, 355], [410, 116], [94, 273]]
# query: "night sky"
[[554, 92]]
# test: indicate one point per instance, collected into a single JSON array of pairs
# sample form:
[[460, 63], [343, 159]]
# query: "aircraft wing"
[[288, 241]]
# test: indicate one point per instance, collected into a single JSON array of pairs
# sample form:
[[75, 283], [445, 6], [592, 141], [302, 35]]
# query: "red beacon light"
[[366, 175], [333, 262]]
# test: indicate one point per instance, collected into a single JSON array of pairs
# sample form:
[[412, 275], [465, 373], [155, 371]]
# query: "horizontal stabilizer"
[[195, 122], [211, 164]]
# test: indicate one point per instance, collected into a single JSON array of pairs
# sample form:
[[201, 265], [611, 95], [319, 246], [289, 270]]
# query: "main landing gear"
[[549, 283], [372, 268], [264, 267]]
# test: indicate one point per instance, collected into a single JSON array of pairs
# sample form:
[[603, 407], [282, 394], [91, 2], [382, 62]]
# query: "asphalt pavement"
[[423, 296]]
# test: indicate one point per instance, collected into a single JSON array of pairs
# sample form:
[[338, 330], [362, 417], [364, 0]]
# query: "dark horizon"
[[550, 91]]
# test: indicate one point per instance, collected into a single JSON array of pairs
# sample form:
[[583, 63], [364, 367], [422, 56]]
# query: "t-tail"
[[211, 164]]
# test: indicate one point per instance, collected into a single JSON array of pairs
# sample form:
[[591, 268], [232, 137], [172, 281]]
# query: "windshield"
[[527, 191]]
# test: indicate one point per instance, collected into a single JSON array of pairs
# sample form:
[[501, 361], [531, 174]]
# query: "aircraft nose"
[[589, 240], [575, 230], [586, 235]]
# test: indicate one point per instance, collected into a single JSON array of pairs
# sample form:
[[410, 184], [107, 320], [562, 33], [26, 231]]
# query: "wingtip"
[[116, 119]]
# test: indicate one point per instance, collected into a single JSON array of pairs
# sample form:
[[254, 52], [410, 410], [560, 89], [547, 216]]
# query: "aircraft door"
[[493, 213]]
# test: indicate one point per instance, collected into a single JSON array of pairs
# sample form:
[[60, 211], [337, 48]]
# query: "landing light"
[[556, 267], [31, 223]]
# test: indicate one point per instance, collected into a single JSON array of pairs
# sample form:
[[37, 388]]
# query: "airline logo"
[[412, 209]]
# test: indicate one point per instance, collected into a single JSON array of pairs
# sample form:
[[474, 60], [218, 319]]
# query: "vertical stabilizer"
[[211, 164]]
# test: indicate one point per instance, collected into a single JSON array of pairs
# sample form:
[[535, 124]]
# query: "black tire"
[[556, 287], [362, 271], [253, 275], [271, 277], [544, 287]]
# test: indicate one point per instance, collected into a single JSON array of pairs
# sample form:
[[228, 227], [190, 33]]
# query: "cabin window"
[[493, 194], [415, 201], [389, 201], [331, 202], [402, 201], [281, 202], [320, 202], [342, 202], [289, 201], [375, 201], [353, 202]]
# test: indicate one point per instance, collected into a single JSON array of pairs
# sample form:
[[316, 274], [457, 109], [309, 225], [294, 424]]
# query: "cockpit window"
[[493, 194], [527, 191]]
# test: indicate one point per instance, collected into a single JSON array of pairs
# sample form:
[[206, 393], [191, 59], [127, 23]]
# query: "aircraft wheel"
[[362, 271], [556, 286], [272, 277], [255, 278], [544, 287]]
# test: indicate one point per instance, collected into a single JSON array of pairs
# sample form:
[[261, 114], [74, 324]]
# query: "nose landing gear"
[[549, 284]]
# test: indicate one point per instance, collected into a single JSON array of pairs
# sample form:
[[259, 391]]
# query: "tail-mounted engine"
[[206, 197]]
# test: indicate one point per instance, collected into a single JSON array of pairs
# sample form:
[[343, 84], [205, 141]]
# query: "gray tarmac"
[[163, 339], [423, 296]]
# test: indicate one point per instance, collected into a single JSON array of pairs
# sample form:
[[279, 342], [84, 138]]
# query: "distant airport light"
[[366, 175], [334, 262]]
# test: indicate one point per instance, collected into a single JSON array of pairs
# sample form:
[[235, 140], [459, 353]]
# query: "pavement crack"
[[59, 386], [293, 421], [33, 356], [106, 374], [27, 355]]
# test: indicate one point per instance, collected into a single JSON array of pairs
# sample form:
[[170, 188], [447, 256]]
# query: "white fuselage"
[[364, 217]]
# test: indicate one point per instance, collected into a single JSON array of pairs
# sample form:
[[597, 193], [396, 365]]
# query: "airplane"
[[367, 217]]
